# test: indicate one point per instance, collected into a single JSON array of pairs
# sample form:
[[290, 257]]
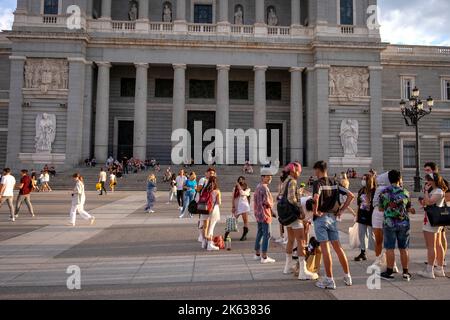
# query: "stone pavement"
[[128, 254]]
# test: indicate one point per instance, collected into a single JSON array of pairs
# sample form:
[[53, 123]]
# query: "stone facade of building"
[[116, 77]]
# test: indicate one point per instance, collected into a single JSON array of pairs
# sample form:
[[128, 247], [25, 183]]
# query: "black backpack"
[[287, 212]]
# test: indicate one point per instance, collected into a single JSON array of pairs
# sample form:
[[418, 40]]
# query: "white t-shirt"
[[103, 176], [46, 177], [308, 214], [112, 177], [180, 180], [203, 182], [440, 203], [9, 182], [243, 206]]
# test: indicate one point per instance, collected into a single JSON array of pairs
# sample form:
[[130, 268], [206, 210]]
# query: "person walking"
[[78, 201], [102, 180], [180, 181], [435, 189], [46, 181], [283, 176], [263, 205], [112, 181], [7, 185], [190, 188], [327, 210], [240, 206], [25, 188], [203, 224], [395, 203], [364, 215], [173, 188], [216, 199], [151, 193], [296, 230]]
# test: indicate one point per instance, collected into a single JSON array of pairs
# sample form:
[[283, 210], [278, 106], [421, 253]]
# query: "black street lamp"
[[412, 114]]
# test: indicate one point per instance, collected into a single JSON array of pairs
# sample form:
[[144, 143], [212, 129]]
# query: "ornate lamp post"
[[412, 114]]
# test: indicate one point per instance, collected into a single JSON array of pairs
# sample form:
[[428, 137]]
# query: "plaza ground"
[[129, 254]]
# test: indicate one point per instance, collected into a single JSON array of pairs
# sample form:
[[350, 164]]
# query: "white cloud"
[[6, 18]]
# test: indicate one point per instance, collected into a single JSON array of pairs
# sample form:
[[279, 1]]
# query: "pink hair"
[[292, 166]]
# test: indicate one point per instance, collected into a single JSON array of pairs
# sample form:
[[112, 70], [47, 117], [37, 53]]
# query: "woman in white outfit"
[[78, 201], [241, 204], [215, 215]]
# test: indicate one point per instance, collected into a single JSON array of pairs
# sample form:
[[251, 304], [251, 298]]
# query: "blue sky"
[[403, 21]]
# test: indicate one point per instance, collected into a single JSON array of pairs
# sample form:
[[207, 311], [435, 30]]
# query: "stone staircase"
[[137, 181]]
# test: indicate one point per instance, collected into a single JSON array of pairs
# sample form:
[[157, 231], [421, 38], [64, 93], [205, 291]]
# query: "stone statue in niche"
[[349, 137], [133, 12], [272, 19], [46, 74], [349, 82], [45, 132], [167, 12], [239, 15]]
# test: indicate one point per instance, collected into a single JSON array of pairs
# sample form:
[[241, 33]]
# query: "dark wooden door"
[[125, 139], [208, 120]]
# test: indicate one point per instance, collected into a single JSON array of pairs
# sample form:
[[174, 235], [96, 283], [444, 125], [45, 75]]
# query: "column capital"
[[103, 64], [223, 67], [179, 66], [375, 68], [260, 68], [23, 58], [296, 69], [322, 66], [141, 65], [78, 60]]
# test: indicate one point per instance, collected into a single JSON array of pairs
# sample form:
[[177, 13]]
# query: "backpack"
[[218, 242], [205, 204], [287, 212]]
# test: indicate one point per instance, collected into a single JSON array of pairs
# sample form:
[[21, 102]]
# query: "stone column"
[[260, 22], [322, 112], [295, 13], [89, 8], [22, 7], [260, 116], [14, 141], [142, 23], [75, 102], [179, 97], [180, 24], [296, 114], [102, 112], [87, 111], [223, 25], [106, 10], [140, 112], [376, 118], [223, 107]]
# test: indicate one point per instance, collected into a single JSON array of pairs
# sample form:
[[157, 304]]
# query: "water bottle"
[[228, 243]]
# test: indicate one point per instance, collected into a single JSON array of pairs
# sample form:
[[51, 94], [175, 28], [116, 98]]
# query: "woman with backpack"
[[364, 215], [211, 197], [241, 204], [295, 230]]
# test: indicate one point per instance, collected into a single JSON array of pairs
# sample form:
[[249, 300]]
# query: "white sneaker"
[[326, 283], [426, 274], [279, 240], [348, 280], [204, 244], [267, 260], [304, 273], [256, 257], [212, 247], [439, 272]]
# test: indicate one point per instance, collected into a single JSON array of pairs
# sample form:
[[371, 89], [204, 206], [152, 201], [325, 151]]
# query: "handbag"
[[98, 186], [218, 242], [287, 212], [438, 216], [192, 207], [231, 225]]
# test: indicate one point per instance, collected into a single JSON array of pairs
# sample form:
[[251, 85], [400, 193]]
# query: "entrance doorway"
[[208, 119], [271, 127], [125, 137]]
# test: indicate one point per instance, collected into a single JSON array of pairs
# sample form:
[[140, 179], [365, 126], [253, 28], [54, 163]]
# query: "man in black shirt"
[[327, 210]]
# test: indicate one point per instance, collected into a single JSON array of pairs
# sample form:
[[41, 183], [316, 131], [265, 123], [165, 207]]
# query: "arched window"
[[51, 6], [346, 12]]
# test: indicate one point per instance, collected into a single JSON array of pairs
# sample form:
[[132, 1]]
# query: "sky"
[[413, 22]]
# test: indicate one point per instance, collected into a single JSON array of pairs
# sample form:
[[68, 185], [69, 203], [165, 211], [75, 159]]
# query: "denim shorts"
[[396, 233], [326, 228]]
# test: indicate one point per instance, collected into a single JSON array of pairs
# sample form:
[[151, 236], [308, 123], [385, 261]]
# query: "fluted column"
[[260, 116], [296, 115], [87, 111], [179, 97], [376, 117], [102, 112], [140, 112], [15, 112], [295, 13], [106, 10], [223, 107]]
